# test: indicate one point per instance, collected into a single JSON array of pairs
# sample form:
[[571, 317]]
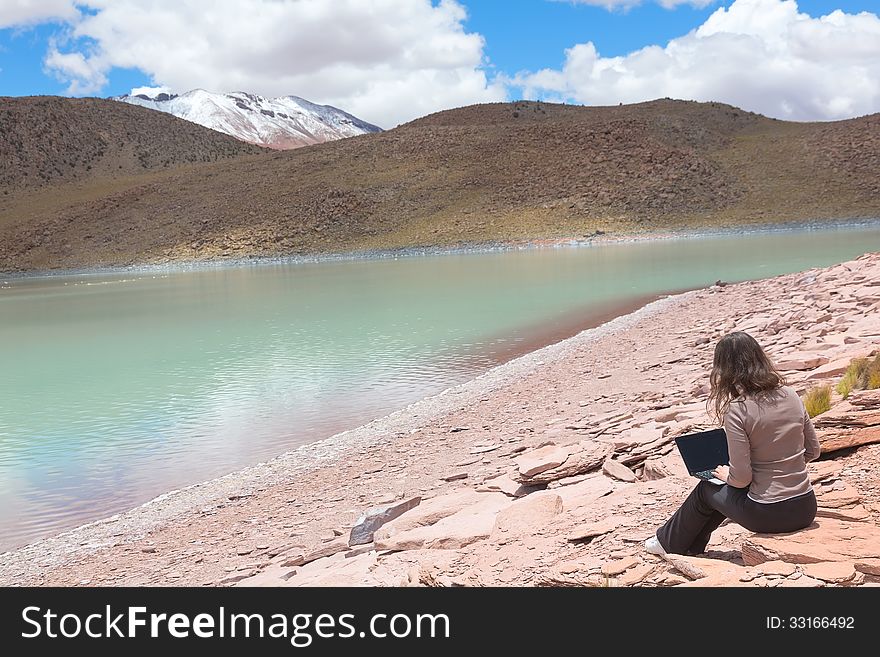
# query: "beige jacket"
[[770, 441]]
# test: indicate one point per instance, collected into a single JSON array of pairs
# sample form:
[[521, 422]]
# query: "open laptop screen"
[[704, 450]]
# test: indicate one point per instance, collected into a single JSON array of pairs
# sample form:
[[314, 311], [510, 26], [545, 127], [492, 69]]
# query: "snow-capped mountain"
[[281, 123]]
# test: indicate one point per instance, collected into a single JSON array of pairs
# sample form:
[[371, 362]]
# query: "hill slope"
[[47, 140], [280, 123], [483, 173]]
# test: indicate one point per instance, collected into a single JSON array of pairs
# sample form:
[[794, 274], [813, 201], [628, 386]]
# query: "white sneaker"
[[652, 545]]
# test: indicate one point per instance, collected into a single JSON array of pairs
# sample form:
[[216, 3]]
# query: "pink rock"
[[468, 525], [830, 369], [670, 465], [591, 530], [328, 549], [826, 539], [586, 492], [780, 568], [528, 515], [618, 471], [857, 513], [584, 457], [821, 470], [832, 440], [431, 510], [835, 572], [612, 568], [636, 575], [539, 460], [802, 583], [848, 414], [865, 399], [801, 361], [500, 484], [868, 566], [367, 524], [841, 496]]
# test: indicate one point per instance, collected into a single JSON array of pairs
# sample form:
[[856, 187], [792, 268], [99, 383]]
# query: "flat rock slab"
[[614, 568], [803, 582], [848, 414], [839, 497], [801, 361], [857, 513], [831, 440], [431, 510], [827, 539], [821, 470], [835, 572], [468, 525], [591, 530], [584, 457], [500, 484], [328, 549], [697, 568], [367, 524], [540, 460], [528, 515], [779, 568], [865, 399], [619, 471], [586, 492], [834, 368]]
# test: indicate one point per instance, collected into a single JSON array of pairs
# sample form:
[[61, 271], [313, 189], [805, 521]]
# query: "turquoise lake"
[[117, 387]]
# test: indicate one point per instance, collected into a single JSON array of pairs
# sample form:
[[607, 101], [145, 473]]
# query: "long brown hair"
[[740, 368]]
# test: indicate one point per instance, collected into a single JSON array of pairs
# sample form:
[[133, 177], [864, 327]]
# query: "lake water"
[[118, 387]]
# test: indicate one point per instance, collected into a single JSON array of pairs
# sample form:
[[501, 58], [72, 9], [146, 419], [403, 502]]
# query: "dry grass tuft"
[[818, 400]]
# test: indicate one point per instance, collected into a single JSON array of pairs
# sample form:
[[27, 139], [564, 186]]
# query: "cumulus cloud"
[[29, 12], [84, 75], [150, 92], [626, 4], [386, 61], [762, 55]]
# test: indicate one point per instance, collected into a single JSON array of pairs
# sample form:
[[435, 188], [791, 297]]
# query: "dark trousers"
[[688, 531]]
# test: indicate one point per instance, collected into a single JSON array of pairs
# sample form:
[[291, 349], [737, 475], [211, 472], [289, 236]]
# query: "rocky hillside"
[[47, 140], [515, 171]]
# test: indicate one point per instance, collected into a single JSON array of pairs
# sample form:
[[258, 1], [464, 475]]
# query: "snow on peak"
[[281, 123]]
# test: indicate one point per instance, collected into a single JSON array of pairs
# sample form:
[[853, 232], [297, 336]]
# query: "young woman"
[[770, 439]]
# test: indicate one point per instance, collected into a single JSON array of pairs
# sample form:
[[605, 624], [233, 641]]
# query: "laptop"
[[703, 452]]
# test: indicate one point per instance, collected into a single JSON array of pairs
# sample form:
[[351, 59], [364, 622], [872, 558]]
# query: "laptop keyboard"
[[705, 474]]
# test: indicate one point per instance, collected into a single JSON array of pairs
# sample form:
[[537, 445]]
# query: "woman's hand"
[[722, 472]]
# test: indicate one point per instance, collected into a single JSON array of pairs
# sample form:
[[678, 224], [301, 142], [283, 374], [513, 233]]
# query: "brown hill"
[[483, 173], [47, 139]]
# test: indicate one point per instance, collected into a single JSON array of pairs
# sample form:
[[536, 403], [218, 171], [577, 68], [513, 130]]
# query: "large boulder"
[[827, 539]]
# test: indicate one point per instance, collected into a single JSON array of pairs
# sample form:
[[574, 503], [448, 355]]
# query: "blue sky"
[[519, 39]]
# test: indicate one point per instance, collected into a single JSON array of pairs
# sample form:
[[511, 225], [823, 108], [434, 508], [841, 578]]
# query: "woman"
[[770, 439]]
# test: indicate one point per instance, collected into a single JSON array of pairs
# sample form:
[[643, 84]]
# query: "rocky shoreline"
[[549, 470], [600, 238]]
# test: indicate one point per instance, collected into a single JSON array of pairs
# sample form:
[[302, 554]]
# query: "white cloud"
[[85, 74], [150, 92], [762, 55], [386, 61], [29, 12], [627, 4]]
